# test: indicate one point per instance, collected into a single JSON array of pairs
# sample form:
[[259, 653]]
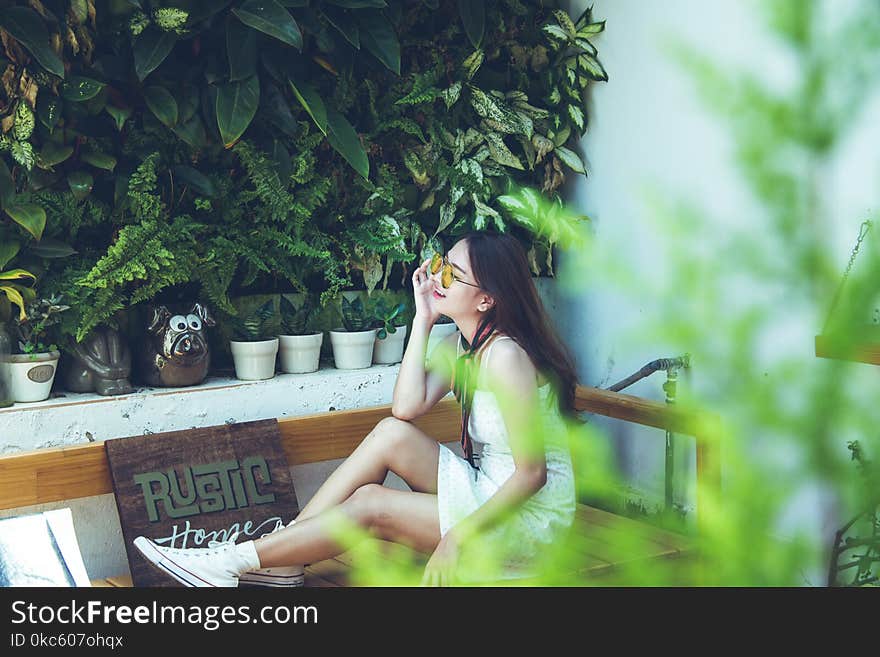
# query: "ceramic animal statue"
[[101, 363], [175, 352]]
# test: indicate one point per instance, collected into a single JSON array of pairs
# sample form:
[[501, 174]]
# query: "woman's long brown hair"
[[501, 269]]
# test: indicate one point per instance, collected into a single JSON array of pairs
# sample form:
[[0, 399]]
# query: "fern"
[[145, 203]]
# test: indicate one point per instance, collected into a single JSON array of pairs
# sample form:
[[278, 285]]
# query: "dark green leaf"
[[473, 15], [312, 103], [195, 179], [187, 102], [120, 115], [80, 183], [53, 154], [241, 48], [51, 248], [8, 250], [26, 26], [378, 36], [192, 131], [29, 216], [49, 111], [345, 24], [277, 110], [99, 160], [271, 18], [151, 47], [120, 189], [162, 104], [7, 185], [236, 105], [345, 140], [78, 89]]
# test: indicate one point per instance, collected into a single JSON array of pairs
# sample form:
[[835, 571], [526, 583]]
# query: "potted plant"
[[31, 372], [252, 352], [299, 346], [12, 291], [391, 332], [353, 344]]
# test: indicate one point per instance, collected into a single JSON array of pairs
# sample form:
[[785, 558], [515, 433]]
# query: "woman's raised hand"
[[423, 293]]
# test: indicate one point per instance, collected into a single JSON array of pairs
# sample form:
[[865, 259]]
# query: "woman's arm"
[[418, 388], [513, 380]]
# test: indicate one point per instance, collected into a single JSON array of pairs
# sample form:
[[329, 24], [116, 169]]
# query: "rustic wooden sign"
[[187, 488]]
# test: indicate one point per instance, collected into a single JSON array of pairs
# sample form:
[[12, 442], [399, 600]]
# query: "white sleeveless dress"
[[461, 489]]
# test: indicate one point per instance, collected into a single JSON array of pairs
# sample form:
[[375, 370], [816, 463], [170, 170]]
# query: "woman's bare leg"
[[401, 516], [394, 445]]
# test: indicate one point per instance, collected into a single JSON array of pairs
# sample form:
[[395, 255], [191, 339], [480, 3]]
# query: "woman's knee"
[[365, 505], [390, 432]]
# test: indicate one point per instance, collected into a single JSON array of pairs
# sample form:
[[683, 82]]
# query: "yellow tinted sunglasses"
[[447, 277]]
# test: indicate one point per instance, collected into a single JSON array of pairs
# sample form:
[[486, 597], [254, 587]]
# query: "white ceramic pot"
[[300, 353], [352, 350], [254, 361], [29, 377], [390, 350], [438, 332]]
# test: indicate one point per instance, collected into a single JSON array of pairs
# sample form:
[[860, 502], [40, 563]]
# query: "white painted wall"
[[649, 130]]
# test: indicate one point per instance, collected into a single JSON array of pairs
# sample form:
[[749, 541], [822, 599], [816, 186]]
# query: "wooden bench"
[[605, 541]]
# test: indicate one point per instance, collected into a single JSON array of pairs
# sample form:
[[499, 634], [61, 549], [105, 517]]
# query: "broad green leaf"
[[473, 16], [271, 18], [236, 105], [49, 111], [473, 62], [591, 29], [282, 161], [344, 24], [586, 45], [562, 136], [451, 95], [15, 274], [594, 69], [150, 48], [345, 140], [99, 160], [378, 36], [565, 21], [15, 297], [498, 115], [311, 102], [26, 27], [501, 153], [241, 49], [277, 110], [162, 104], [80, 183], [120, 115], [8, 251], [77, 88], [53, 154], [195, 179], [556, 32], [29, 216], [571, 159], [51, 248], [577, 115], [187, 102], [7, 185], [192, 131]]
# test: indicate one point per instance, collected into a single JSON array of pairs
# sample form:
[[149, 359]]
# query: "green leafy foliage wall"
[[154, 151]]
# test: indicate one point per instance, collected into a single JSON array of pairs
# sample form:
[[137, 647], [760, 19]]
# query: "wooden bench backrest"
[[64, 473]]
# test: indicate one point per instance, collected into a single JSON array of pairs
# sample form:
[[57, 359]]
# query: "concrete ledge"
[[73, 418]]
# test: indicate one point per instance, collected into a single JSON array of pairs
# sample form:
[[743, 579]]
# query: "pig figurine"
[[175, 352]]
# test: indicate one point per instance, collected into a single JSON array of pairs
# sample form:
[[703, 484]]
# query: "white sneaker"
[[201, 567], [280, 577]]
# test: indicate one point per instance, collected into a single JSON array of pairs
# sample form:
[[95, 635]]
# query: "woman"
[[515, 376]]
